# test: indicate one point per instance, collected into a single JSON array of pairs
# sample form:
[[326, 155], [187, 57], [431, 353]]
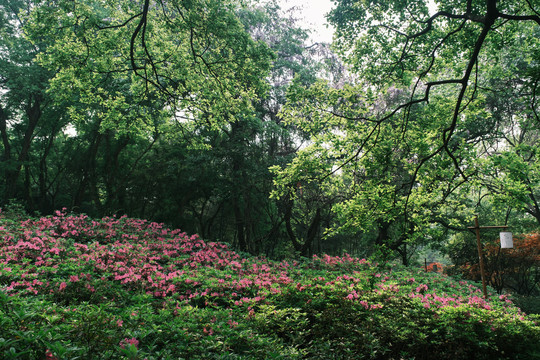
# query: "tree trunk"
[[3, 133], [88, 182], [114, 185], [304, 249], [288, 227], [382, 237], [33, 113], [242, 245], [44, 204], [312, 234]]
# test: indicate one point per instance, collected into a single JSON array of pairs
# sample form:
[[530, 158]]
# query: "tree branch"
[[120, 25], [535, 18]]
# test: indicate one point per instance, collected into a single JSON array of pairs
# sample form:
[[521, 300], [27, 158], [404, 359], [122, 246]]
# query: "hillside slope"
[[74, 287]]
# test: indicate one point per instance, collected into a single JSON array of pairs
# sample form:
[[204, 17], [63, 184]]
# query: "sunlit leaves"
[[194, 58]]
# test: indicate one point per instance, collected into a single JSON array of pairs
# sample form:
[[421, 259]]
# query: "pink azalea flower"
[[364, 304], [49, 355], [127, 342]]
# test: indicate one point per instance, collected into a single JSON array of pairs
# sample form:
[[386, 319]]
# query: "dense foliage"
[[439, 122], [75, 287], [161, 110], [223, 119]]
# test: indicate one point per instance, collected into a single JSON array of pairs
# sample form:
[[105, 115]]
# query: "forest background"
[[222, 118]]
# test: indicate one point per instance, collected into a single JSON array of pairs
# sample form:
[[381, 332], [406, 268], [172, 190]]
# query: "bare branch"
[[120, 25], [531, 7], [141, 23], [535, 18], [429, 27], [491, 16]]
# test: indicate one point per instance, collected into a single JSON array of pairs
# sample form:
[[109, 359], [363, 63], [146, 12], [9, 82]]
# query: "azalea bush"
[[122, 288]]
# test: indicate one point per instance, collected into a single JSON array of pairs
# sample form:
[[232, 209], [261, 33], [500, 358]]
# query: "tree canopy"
[[421, 131]]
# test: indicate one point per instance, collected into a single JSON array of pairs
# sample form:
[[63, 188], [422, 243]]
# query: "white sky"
[[313, 12]]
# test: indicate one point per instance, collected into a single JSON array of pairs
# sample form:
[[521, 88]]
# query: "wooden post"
[[477, 228], [480, 255]]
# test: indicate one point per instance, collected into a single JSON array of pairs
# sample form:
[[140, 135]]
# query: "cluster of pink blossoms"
[[148, 257], [138, 254]]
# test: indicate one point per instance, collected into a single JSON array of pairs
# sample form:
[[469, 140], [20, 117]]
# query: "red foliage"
[[516, 269], [435, 267]]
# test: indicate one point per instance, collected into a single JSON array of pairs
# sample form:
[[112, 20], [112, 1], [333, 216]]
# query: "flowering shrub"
[[129, 288]]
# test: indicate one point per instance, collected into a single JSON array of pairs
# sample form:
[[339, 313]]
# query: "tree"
[[404, 137], [401, 41], [228, 200], [409, 46], [126, 73], [509, 170], [193, 57], [26, 110]]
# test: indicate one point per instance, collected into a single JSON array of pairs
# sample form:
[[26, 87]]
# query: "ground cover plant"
[[122, 288]]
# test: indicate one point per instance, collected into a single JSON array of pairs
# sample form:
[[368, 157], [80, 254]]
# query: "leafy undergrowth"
[[121, 288]]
